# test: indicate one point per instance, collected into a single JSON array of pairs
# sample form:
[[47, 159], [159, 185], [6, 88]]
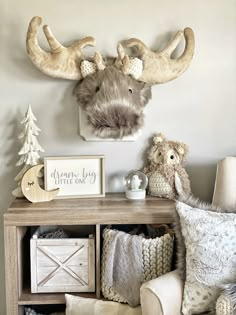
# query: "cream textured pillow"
[[210, 241], [76, 305]]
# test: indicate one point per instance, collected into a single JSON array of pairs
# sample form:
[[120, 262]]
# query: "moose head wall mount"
[[112, 92]]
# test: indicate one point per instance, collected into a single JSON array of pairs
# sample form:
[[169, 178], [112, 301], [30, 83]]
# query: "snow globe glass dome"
[[136, 184]]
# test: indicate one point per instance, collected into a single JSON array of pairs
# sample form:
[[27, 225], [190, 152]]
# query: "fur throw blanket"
[[122, 273]]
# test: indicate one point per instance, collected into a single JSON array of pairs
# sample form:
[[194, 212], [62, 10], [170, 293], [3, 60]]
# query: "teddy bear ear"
[[157, 138], [182, 148]]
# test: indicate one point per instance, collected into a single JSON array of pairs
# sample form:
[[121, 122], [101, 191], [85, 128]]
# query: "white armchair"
[[162, 296]]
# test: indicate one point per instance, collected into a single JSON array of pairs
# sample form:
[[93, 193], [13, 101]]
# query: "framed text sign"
[[76, 176]]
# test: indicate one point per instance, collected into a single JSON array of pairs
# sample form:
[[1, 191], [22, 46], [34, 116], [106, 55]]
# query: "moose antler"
[[159, 67], [61, 62]]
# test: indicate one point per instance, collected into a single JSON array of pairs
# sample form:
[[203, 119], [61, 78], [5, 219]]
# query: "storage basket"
[[157, 256]]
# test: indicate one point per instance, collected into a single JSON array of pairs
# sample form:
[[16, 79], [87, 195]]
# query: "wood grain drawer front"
[[62, 265]]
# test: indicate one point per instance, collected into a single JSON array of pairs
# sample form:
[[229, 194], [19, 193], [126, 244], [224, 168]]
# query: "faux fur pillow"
[[210, 242]]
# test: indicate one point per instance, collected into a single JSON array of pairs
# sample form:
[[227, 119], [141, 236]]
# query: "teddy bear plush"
[[165, 168]]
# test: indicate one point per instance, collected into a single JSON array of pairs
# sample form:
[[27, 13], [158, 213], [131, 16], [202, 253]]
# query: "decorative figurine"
[[30, 149], [136, 183], [31, 189], [165, 168]]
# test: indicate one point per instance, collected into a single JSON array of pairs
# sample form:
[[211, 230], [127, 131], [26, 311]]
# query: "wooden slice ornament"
[[31, 189]]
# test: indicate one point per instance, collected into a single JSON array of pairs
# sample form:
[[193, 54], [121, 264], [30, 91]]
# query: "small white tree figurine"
[[29, 150]]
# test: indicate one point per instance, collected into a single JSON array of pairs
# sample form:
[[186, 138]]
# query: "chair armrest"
[[162, 296]]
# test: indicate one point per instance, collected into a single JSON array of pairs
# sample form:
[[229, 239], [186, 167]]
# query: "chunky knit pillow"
[[226, 303]]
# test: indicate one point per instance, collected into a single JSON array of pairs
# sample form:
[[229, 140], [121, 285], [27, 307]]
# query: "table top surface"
[[112, 209]]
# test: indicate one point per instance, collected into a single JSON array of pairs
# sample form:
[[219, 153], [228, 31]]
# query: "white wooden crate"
[[62, 265]]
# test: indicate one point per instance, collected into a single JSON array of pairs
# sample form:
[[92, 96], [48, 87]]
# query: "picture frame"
[[80, 176]]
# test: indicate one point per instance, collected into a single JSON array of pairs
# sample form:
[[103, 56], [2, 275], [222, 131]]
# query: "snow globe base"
[[138, 194]]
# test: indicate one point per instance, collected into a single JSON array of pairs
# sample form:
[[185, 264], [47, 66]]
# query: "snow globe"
[[136, 184]]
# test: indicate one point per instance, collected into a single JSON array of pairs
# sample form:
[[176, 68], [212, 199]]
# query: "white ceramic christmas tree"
[[29, 150]]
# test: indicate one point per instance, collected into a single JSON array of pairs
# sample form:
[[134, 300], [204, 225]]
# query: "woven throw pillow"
[[210, 241], [76, 305]]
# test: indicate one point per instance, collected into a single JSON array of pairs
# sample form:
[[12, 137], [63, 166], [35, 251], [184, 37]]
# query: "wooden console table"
[[113, 209]]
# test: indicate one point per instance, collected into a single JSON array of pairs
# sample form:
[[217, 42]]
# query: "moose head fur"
[[113, 101], [113, 93]]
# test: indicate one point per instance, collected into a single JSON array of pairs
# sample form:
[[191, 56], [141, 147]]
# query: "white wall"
[[198, 108]]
